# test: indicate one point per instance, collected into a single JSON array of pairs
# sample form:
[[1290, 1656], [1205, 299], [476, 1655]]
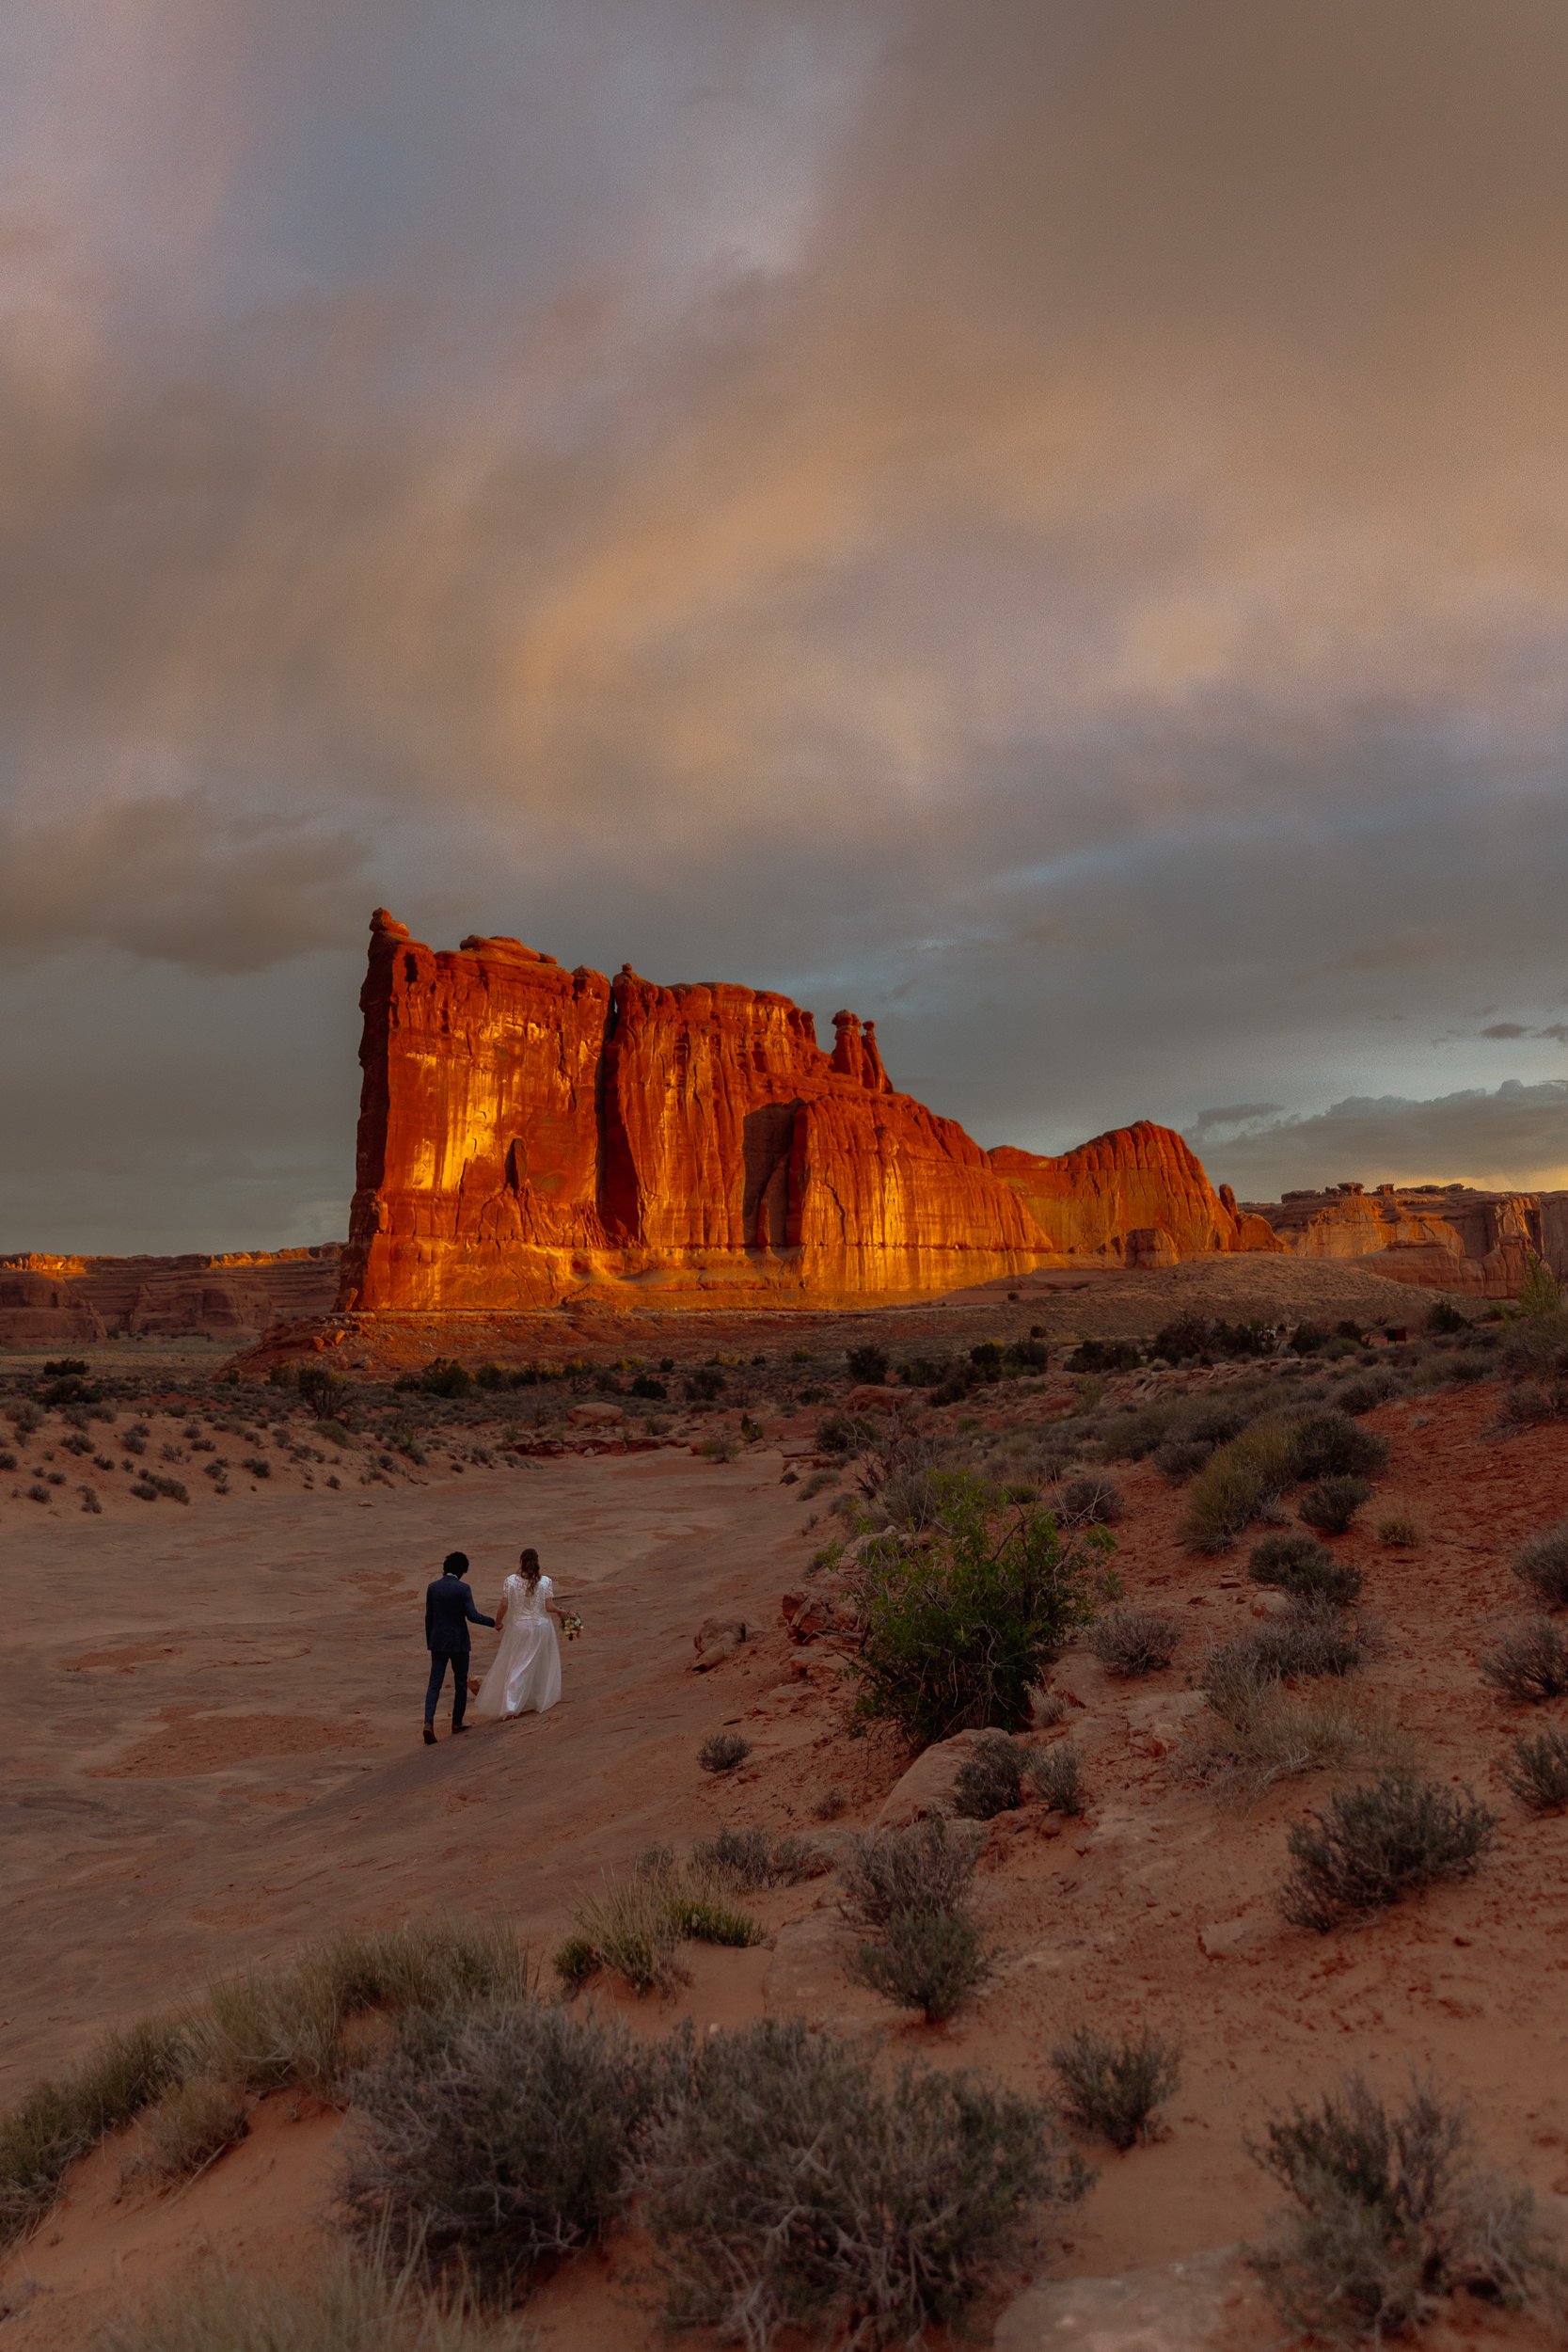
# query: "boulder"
[[595, 1416], [716, 1638], [926, 1787], [1183, 2306]]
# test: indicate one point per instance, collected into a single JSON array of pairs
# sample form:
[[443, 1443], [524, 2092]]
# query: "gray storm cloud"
[[1049, 520]]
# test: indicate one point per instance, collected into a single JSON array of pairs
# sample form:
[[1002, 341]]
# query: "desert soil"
[[209, 1752]]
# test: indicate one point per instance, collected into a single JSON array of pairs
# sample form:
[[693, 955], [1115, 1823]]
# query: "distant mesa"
[[63, 1302], [529, 1134]]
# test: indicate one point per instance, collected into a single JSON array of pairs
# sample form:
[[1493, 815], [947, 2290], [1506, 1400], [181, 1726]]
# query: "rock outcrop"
[[529, 1134], [66, 1302], [1437, 1237]]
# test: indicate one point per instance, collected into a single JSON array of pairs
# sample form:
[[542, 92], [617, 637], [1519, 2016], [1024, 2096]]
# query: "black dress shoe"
[[457, 1729], [429, 1735]]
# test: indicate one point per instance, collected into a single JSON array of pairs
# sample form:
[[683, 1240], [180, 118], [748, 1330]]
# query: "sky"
[[1045, 522]]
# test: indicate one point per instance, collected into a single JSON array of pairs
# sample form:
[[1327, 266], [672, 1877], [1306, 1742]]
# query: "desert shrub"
[[1313, 1640], [1333, 1502], [1307, 1570], [193, 2124], [926, 1960], [352, 2305], [747, 1861], [262, 2029], [867, 1364], [1537, 1771], [1181, 1458], [1240, 1481], [790, 2185], [645, 1385], [722, 1448], [636, 1923], [496, 2137], [1090, 1503], [61, 2119], [445, 1376], [1329, 1444], [954, 1635], [912, 1499], [1542, 1565], [1530, 1661], [1279, 1733], [1443, 1318], [1392, 2213], [926, 1867], [323, 1390], [1368, 1389], [256, 1463], [8, 1461], [990, 1778], [76, 1443], [723, 1751], [39, 1492], [1370, 1847], [1399, 1530], [830, 1804], [1057, 1774], [1113, 2087], [1132, 1642], [843, 1434]]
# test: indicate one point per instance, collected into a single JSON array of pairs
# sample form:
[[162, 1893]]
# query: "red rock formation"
[[1437, 1237], [528, 1133], [64, 1302]]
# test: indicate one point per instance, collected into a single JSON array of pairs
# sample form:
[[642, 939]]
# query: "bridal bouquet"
[[571, 1624]]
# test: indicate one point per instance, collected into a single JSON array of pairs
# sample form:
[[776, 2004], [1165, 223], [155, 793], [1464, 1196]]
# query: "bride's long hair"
[[528, 1568]]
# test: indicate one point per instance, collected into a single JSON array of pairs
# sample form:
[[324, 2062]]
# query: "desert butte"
[[210, 1754]]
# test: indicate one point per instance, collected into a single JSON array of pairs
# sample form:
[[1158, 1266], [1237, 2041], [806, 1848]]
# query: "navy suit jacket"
[[449, 1611]]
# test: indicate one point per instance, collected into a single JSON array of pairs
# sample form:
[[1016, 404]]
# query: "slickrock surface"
[[529, 1134], [265, 1649]]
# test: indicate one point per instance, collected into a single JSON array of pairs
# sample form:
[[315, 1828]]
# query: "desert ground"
[[210, 1756]]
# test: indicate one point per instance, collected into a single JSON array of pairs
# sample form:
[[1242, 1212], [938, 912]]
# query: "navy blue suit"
[[449, 1611]]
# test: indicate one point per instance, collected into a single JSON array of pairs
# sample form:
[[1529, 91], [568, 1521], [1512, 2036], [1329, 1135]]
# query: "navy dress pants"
[[439, 1661]]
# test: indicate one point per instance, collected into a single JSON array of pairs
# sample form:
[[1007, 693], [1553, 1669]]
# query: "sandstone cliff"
[[63, 1302], [527, 1133], [1437, 1237]]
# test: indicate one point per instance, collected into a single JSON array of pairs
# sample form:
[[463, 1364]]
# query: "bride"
[[525, 1672]]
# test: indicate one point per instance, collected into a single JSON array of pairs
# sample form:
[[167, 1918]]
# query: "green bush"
[[1392, 2215], [1329, 1444], [1115, 2087], [1333, 1502], [956, 1634], [1370, 1847], [868, 1364], [790, 2185], [493, 2138]]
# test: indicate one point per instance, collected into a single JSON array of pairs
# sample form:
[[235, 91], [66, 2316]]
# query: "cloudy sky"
[[1045, 521]]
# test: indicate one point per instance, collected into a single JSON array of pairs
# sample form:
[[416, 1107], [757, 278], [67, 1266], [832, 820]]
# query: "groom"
[[449, 1611]]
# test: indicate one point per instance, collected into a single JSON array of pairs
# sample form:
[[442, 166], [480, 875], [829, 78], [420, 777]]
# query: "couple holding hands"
[[525, 1672]]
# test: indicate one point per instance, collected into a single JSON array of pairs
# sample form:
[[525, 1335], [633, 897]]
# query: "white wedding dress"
[[525, 1672]]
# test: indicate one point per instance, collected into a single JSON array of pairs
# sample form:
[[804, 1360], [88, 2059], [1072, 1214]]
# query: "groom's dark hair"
[[455, 1564]]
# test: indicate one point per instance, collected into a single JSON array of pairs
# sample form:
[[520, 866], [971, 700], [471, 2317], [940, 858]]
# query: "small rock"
[[1224, 1939], [1180, 2307], [717, 1638], [594, 1416]]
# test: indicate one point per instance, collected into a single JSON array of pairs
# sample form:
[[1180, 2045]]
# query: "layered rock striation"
[[51, 1301], [529, 1134], [1437, 1237]]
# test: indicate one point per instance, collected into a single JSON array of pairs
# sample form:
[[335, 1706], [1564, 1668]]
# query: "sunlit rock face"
[[1437, 1237], [527, 1134]]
